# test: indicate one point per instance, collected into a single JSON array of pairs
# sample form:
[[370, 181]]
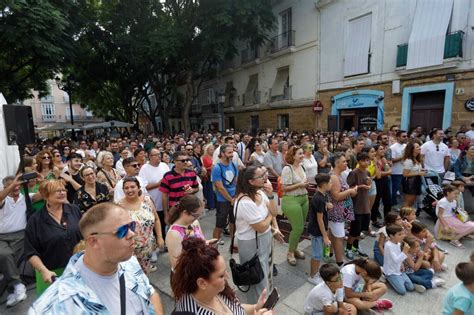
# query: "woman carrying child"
[[448, 225]]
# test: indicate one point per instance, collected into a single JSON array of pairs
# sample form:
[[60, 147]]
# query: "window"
[[357, 48], [206, 97], [285, 21], [283, 121], [47, 111], [280, 89], [252, 95]]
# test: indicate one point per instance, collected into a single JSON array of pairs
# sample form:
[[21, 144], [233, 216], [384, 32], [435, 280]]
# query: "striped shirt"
[[173, 184], [188, 304]]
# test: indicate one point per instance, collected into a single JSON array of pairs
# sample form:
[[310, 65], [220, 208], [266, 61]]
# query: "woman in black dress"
[[92, 192]]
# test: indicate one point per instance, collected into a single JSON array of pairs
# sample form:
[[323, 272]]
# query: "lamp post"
[[221, 101], [67, 87]]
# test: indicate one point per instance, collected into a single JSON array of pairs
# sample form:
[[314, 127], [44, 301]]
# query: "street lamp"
[[67, 87], [221, 101]]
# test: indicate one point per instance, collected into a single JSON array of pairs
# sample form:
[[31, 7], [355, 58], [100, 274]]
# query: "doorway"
[[358, 118], [427, 109]]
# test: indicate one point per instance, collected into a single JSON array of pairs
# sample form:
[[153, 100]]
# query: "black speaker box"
[[19, 124], [332, 123]]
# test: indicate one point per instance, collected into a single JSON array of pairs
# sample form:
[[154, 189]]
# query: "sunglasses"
[[46, 157], [134, 165], [183, 160], [437, 148], [122, 231]]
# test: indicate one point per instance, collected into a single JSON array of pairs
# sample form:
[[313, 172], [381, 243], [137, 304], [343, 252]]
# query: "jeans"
[[423, 277], [396, 184], [378, 257], [209, 194], [400, 283]]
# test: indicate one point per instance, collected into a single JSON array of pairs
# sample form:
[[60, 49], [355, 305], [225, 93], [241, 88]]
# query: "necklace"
[[58, 220], [224, 310]]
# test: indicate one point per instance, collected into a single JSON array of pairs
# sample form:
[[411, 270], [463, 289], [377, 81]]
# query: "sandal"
[[299, 254], [291, 259], [457, 243]]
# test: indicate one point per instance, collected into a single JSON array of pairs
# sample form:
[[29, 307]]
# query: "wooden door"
[[427, 110]]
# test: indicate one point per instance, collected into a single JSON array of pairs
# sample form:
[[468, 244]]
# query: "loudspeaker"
[[332, 123], [19, 124]]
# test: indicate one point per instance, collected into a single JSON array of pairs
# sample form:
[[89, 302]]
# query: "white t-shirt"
[[249, 213], [119, 167], [398, 150], [393, 259], [411, 167], [311, 168], [434, 158], [13, 214], [350, 279], [107, 289], [320, 296], [447, 206], [151, 175], [118, 190]]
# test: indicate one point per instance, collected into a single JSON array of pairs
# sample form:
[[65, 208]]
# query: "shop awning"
[[108, 124], [281, 79], [428, 33], [356, 58]]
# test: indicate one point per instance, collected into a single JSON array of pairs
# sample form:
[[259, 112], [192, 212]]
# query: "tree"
[[206, 33], [35, 38]]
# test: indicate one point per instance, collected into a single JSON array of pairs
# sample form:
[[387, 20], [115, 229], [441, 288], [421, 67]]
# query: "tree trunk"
[[188, 101]]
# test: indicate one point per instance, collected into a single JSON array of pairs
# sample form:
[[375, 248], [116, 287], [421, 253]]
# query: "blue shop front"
[[359, 109]]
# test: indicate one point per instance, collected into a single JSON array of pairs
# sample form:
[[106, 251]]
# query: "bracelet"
[[271, 197]]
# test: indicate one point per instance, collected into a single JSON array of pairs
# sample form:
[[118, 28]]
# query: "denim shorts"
[[373, 189], [317, 247]]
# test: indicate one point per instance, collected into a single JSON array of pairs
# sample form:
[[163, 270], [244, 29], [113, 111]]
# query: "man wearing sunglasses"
[[178, 182], [105, 278], [435, 154], [132, 169]]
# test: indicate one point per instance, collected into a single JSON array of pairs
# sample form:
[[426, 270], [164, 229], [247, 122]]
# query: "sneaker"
[[349, 254], [437, 282], [17, 296], [383, 304], [362, 235], [275, 271], [444, 267], [154, 257], [220, 242], [316, 279], [377, 224], [419, 288], [359, 252], [153, 268]]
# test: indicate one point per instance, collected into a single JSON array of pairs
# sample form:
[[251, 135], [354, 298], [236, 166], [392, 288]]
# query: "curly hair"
[[197, 260], [409, 153]]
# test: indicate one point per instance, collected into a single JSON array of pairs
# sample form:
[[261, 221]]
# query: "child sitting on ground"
[[361, 286], [448, 223], [408, 214], [327, 297], [318, 224], [390, 218], [395, 254], [460, 298], [428, 246], [418, 269]]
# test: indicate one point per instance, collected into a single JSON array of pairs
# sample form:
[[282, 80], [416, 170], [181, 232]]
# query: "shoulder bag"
[[247, 273]]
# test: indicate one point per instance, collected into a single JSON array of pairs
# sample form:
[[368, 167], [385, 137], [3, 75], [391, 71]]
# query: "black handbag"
[[248, 273]]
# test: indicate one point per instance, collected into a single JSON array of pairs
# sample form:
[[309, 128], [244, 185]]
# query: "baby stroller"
[[431, 195]]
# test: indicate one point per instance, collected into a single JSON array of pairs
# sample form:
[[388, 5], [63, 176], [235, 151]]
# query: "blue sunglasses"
[[122, 231]]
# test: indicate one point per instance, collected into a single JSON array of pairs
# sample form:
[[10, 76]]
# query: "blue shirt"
[[70, 295], [459, 297], [227, 174]]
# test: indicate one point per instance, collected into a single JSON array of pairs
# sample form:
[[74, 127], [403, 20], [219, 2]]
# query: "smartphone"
[[29, 176], [272, 300]]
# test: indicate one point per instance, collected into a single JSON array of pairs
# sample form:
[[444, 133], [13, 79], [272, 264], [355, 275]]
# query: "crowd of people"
[[96, 213]]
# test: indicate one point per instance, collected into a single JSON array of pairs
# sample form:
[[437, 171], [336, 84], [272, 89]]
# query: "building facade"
[[52, 112], [365, 63]]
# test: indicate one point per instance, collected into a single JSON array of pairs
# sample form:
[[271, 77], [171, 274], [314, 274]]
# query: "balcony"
[[78, 118], [251, 98], [452, 48], [282, 97], [48, 118], [283, 41], [249, 55], [210, 109]]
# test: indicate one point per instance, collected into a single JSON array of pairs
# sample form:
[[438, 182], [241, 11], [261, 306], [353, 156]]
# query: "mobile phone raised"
[[272, 300]]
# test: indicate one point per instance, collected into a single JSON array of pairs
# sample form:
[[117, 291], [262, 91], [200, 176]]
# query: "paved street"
[[291, 281]]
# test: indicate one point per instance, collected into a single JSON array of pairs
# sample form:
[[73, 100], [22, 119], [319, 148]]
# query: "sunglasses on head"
[[122, 231]]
